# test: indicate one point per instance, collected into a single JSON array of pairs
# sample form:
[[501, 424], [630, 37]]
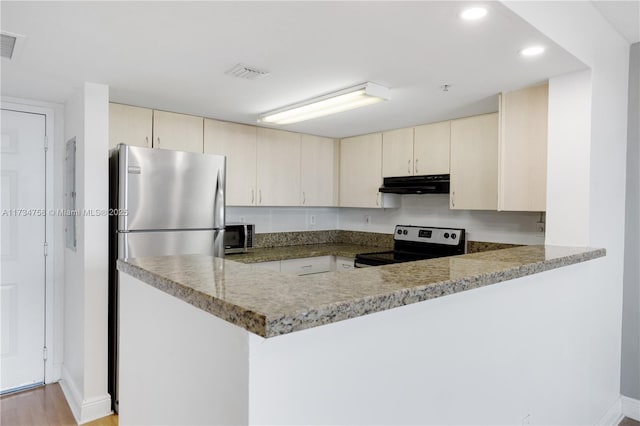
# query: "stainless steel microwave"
[[238, 237]]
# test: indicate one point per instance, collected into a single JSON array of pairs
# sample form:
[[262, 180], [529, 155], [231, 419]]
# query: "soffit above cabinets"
[[174, 55]]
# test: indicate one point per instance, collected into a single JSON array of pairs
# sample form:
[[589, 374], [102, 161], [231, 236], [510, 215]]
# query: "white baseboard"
[[84, 410], [613, 415], [631, 408]]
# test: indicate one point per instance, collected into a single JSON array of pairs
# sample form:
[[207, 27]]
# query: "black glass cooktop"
[[391, 256]]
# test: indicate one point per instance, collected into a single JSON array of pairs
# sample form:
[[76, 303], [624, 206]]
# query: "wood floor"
[[46, 406], [43, 406]]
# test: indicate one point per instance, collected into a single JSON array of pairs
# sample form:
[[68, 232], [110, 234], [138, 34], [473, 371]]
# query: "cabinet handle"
[[377, 197], [409, 167], [259, 196], [146, 141], [416, 165], [252, 195], [453, 199], [158, 139], [304, 198]]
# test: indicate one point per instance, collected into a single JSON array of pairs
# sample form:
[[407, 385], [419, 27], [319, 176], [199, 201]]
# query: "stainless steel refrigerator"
[[167, 203]]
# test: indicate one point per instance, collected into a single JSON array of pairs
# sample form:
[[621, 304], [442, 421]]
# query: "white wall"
[[568, 159], [580, 29], [427, 210], [84, 372], [433, 210], [285, 219], [630, 373]]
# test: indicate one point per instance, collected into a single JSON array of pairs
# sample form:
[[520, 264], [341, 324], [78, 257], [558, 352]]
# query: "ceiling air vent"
[[247, 72], [10, 44]]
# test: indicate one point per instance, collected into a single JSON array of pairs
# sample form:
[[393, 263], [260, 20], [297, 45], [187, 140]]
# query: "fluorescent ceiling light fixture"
[[473, 13], [344, 100], [532, 51]]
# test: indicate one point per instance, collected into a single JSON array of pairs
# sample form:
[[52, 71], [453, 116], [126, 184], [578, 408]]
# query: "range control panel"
[[420, 234]]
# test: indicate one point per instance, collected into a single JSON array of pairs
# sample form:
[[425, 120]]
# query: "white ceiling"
[[173, 55], [624, 16]]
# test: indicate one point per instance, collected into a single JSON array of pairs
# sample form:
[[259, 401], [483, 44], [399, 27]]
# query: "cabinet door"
[[238, 143], [474, 163], [361, 171], [523, 150], [278, 167], [178, 132], [130, 125], [431, 149], [319, 171], [397, 153]]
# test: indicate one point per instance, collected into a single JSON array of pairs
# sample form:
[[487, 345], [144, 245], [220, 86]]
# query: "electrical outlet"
[[312, 219], [367, 219], [526, 420], [241, 219], [540, 227]]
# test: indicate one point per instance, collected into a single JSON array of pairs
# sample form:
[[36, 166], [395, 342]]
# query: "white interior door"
[[22, 289]]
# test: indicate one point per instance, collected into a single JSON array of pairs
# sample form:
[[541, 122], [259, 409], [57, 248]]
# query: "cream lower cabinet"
[[238, 143], [130, 125], [179, 132], [522, 174], [361, 171], [474, 163], [318, 171], [431, 149], [278, 168]]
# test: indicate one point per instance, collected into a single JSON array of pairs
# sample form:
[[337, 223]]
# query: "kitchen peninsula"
[[212, 341]]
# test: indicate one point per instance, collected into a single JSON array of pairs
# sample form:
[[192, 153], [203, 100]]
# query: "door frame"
[[55, 258]]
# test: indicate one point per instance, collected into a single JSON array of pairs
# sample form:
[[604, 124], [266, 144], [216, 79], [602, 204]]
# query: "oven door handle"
[[357, 264]]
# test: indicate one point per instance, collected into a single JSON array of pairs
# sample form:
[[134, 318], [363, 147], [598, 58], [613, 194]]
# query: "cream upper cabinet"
[[278, 171], [238, 143], [361, 171], [431, 149], [130, 125], [522, 175], [474, 163], [178, 132], [397, 152], [319, 171]]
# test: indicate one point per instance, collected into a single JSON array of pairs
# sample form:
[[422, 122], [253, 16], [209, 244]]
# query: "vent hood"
[[426, 184]]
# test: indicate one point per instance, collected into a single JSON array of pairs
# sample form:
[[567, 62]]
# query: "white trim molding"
[[613, 416], [631, 408], [84, 411]]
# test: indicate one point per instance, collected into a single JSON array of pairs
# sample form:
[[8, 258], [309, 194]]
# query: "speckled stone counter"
[[270, 303], [295, 252]]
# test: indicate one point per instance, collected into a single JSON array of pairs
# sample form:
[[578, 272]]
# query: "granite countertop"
[[270, 303], [295, 252]]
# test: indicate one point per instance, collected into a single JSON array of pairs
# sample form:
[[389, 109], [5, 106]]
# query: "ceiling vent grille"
[[7, 44], [247, 72]]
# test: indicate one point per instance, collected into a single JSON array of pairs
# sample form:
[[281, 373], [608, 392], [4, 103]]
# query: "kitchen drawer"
[[272, 266], [344, 263], [306, 266]]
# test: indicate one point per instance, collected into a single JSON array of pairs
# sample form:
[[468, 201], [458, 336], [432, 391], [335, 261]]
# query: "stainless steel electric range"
[[412, 243]]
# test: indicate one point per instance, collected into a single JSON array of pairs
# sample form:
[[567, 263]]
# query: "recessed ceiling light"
[[532, 51], [473, 13]]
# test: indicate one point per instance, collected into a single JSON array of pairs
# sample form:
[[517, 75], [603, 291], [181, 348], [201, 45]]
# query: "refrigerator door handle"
[[218, 203]]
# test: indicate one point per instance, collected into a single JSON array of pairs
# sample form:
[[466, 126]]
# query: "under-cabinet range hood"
[[426, 184]]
